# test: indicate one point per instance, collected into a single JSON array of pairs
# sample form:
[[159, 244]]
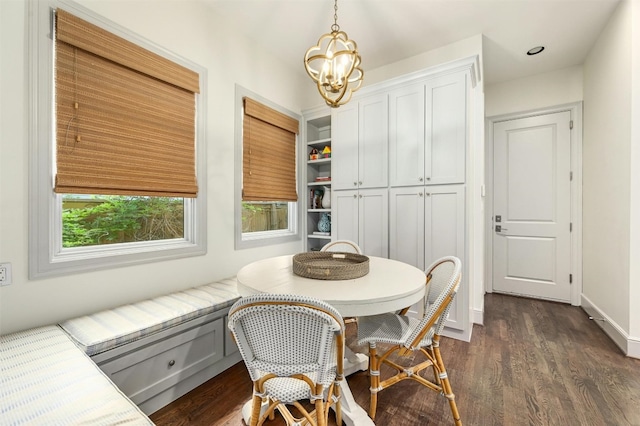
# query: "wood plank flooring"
[[532, 363]]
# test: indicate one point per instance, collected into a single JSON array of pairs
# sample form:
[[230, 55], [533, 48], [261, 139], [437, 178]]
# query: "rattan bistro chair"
[[293, 347], [407, 335], [344, 246]]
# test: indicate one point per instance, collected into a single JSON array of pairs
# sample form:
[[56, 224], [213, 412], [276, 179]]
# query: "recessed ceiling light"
[[535, 50]]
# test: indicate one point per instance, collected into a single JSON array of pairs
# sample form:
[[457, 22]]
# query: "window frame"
[[263, 238], [47, 257]]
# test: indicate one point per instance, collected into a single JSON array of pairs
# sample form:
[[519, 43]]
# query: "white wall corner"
[[630, 346]]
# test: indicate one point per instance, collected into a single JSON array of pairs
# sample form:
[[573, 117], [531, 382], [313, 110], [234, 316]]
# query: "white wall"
[[461, 49], [606, 170], [191, 30], [535, 92], [634, 214]]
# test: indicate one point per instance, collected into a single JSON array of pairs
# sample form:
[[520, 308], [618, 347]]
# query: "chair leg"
[[321, 419], [255, 410], [338, 403], [435, 366], [446, 385], [374, 373]]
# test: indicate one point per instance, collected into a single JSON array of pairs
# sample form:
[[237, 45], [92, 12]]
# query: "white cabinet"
[[362, 216], [399, 172], [428, 131], [406, 135], [427, 223], [360, 144]]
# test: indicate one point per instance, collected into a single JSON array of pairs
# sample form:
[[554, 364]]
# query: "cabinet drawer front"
[[145, 372]]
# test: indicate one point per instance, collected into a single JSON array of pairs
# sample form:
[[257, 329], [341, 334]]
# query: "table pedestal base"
[[354, 362]]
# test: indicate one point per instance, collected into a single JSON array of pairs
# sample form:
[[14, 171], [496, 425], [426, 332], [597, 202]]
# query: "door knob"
[[499, 228]]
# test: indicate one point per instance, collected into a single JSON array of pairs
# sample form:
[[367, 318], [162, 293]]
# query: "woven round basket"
[[325, 265]]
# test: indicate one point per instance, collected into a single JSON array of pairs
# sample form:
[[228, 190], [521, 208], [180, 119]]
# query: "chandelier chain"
[[335, 27]]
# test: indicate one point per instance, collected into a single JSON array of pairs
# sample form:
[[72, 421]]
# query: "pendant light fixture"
[[334, 64]]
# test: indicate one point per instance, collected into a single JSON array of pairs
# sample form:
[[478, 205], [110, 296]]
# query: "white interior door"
[[531, 226]]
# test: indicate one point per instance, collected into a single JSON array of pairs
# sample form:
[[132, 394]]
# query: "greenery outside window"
[[121, 179], [115, 219]]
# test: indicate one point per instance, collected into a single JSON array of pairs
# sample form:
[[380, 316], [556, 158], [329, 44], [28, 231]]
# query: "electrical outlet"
[[5, 273]]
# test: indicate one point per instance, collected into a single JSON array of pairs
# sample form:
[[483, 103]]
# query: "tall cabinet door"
[[446, 130], [373, 212], [406, 136], [344, 147], [445, 235], [363, 217], [373, 141], [344, 221], [406, 225]]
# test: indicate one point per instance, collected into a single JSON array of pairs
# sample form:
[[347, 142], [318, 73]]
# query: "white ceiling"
[[390, 30]]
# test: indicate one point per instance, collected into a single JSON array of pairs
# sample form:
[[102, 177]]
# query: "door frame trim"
[[575, 110]]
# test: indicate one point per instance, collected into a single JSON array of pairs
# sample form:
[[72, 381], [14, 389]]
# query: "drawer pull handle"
[[172, 363]]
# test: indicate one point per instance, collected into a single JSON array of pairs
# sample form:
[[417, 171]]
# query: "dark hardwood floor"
[[532, 363]]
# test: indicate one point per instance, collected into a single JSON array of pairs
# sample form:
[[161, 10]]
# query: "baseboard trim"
[[634, 347], [478, 316], [630, 346], [464, 335]]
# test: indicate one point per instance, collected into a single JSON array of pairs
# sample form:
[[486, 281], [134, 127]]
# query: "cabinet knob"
[[360, 183], [420, 179], [428, 178], [355, 196], [360, 195], [428, 194], [420, 194], [355, 183], [172, 363]]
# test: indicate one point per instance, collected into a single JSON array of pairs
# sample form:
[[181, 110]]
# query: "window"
[[266, 172], [118, 163]]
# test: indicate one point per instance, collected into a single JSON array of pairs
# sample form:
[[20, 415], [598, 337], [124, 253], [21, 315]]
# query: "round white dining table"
[[389, 286]]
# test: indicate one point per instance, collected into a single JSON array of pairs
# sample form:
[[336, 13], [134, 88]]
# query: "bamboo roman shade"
[[125, 116], [269, 154]]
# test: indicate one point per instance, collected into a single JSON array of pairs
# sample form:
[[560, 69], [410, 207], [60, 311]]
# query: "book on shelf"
[[315, 198], [321, 233], [323, 179]]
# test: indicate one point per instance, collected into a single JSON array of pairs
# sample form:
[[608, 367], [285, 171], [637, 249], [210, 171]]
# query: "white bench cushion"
[[108, 329], [47, 380]]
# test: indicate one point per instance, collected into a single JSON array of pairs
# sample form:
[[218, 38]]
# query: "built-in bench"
[[159, 349], [154, 351], [47, 380]]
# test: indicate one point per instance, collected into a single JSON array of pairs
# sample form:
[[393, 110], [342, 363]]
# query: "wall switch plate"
[[5, 274]]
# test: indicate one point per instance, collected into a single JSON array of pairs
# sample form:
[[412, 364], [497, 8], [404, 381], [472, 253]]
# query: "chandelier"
[[334, 64]]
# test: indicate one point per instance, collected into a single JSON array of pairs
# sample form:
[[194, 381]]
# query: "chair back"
[[443, 281], [344, 246], [286, 334]]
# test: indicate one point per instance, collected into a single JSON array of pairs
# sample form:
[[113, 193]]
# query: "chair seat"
[[389, 328], [287, 390]]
